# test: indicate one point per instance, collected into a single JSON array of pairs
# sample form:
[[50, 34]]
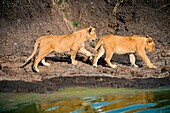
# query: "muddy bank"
[[54, 84], [62, 73]]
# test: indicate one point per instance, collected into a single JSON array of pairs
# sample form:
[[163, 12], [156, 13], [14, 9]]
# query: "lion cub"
[[73, 42], [120, 45]]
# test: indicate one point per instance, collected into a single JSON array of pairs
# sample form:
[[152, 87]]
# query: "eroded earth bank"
[[22, 22]]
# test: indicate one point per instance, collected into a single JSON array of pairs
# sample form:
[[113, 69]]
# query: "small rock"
[[165, 53], [15, 44], [165, 68], [167, 62]]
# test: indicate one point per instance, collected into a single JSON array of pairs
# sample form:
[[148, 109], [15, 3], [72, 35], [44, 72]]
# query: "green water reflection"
[[89, 100]]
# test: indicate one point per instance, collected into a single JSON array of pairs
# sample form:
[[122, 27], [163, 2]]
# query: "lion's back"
[[121, 44]]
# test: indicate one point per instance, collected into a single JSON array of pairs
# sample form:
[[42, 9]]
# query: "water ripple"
[[130, 108]]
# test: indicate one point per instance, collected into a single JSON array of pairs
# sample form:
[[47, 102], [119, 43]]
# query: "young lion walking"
[[120, 44], [73, 42]]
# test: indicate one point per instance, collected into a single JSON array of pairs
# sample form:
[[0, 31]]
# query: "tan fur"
[[73, 42], [121, 45]]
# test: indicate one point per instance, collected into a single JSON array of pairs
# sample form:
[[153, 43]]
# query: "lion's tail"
[[98, 45], [33, 53]]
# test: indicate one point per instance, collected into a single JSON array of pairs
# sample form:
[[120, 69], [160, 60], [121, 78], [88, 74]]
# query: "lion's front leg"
[[146, 60], [85, 52]]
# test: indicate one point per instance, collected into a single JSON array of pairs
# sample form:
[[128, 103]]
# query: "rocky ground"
[[19, 30]]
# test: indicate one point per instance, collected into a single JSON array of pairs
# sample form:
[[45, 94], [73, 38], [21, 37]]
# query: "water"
[[89, 100]]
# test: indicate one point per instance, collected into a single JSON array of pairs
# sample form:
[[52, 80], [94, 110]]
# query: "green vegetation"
[[75, 23], [66, 15], [92, 44], [62, 2]]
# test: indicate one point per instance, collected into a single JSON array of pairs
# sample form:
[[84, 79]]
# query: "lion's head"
[[150, 45], [91, 34]]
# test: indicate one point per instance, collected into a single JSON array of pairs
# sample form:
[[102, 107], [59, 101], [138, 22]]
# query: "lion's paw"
[[94, 65], [74, 62], [113, 66]]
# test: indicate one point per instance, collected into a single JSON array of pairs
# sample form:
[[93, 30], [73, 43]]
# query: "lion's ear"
[[147, 36], [90, 29], [149, 40]]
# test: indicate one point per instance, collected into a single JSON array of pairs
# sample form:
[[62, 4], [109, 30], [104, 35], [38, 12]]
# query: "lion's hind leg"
[[108, 57], [36, 62], [132, 60], [100, 53], [44, 62], [85, 52], [73, 56], [42, 53]]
